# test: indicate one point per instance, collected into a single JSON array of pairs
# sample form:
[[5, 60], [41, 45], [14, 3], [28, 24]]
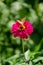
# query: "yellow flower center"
[[21, 28]]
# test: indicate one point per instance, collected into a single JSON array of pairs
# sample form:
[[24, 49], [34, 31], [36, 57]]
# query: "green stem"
[[23, 50], [23, 46], [21, 1]]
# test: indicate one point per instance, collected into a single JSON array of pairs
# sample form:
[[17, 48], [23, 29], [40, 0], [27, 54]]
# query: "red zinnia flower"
[[22, 29]]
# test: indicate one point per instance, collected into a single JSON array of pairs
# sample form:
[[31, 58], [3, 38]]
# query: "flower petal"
[[23, 35], [18, 23], [29, 27], [14, 28]]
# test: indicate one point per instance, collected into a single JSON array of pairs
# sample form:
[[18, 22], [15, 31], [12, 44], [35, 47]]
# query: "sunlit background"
[[12, 10]]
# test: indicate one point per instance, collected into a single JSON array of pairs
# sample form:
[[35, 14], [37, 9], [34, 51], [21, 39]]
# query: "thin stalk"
[[23, 46], [23, 51], [21, 1]]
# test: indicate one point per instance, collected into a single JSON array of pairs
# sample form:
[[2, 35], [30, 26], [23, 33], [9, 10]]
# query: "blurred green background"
[[10, 11]]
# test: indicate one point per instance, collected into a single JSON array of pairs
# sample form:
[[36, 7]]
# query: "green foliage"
[[10, 47]]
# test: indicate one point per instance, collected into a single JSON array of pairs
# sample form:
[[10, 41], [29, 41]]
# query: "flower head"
[[22, 29]]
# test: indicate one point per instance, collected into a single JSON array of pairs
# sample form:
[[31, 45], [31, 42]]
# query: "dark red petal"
[[18, 23], [29, 27], [14, 28]]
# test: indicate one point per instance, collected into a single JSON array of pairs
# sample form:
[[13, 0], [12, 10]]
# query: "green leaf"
[[27, 55], [37, 48]]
